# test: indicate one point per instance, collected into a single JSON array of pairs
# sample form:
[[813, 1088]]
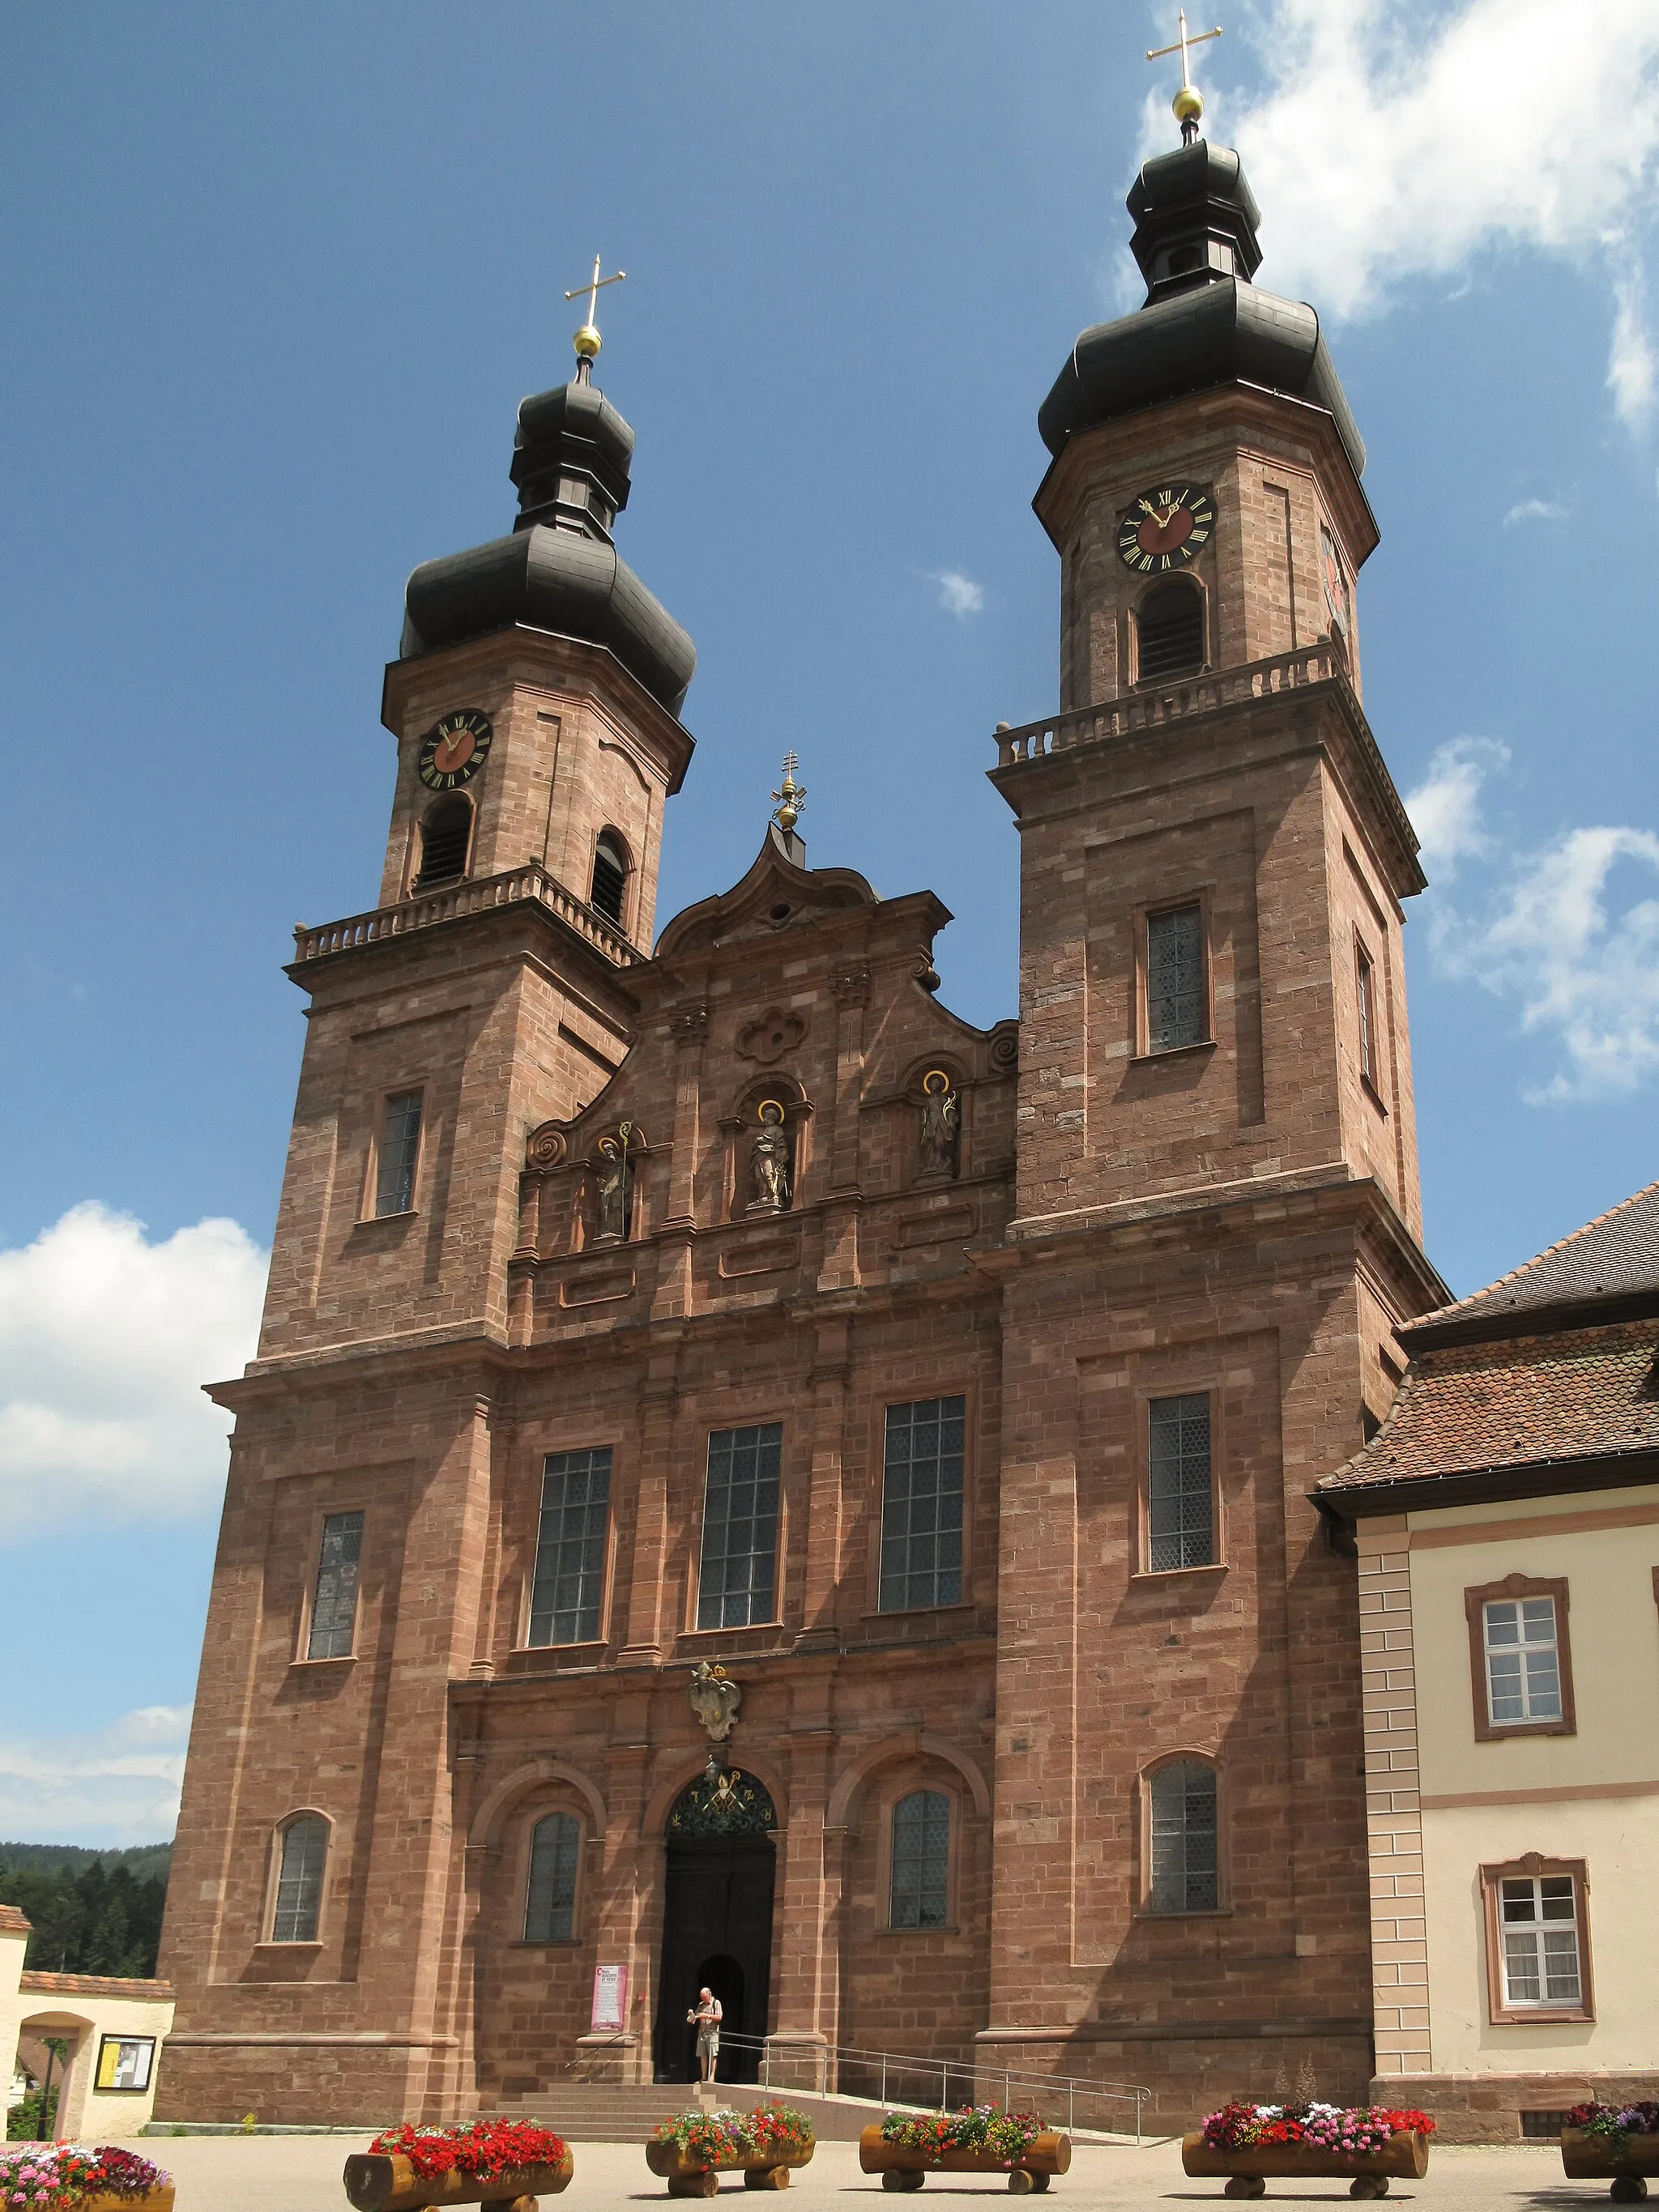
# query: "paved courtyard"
[[301, 2173]]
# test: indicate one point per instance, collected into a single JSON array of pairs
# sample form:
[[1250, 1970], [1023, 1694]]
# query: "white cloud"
[[1535, 510], [1394, 142], [1445, 808], [958, 594], [117, 1785], [1569, 934], [105, 1341]]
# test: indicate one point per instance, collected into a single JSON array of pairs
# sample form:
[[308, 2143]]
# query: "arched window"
[[549, 1905], [300, 1881], [1171, 631], [444, 835], [921, 1860], [610, 877], [1185, 1869]]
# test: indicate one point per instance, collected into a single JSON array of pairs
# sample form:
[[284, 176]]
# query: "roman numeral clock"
[[1165, 529], [455, 750]]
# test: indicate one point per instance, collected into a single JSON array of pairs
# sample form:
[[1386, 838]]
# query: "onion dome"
[[559, 569], [1203, 322]]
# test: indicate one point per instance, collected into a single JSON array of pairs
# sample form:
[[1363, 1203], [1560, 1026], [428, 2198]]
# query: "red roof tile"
[[91, 1986]]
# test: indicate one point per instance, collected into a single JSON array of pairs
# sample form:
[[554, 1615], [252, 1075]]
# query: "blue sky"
[[276, 282]]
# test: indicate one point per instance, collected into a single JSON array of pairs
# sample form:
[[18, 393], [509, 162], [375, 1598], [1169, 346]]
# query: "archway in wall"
[[718, 1877]]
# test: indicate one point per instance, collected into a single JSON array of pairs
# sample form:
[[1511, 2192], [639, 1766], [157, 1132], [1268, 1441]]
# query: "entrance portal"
[[717, 1924]]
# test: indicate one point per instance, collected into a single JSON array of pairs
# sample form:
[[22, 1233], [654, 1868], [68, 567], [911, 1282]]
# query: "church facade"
[[750, 1479]]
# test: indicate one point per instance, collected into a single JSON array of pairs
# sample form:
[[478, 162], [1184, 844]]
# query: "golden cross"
[[586, 340], [1188, 102]]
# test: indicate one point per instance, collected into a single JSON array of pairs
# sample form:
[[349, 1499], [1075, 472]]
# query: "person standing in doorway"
[[705, 2017]]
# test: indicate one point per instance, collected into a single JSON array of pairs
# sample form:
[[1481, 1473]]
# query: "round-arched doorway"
[[720, 1866]]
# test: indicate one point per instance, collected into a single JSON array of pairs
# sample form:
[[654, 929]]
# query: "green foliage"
[[23, 2120], [89, 1912], [140, 1860]]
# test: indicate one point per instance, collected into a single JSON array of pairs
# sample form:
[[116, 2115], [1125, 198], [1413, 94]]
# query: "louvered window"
[[1177, 1012], [444, 835], [609, 877], [1171, 627]]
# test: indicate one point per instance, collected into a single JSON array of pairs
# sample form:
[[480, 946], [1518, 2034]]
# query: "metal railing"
[[887, 2076]]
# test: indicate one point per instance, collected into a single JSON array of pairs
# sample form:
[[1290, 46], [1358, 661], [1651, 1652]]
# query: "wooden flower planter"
[[1402, 2158], [690, 2176], [1591, 2158], [901, 2168], [378, 2182], [151, 2200]]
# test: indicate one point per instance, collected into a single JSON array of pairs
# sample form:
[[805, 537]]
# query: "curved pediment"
[[778, 893]]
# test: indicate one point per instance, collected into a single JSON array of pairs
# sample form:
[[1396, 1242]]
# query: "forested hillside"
[[92, 1912]]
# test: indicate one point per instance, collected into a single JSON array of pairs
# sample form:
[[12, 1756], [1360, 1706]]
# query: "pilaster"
[[1399, 1949]]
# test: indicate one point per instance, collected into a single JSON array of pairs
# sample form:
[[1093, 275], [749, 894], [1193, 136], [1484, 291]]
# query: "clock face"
[[1336, 582], [455, 750], [1166, 528]]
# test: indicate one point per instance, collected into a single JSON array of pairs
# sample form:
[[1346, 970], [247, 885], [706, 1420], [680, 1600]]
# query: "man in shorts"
[[706, 2019]]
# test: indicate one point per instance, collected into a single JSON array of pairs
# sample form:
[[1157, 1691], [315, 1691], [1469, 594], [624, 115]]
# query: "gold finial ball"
[[587, 342], [1188, 104]]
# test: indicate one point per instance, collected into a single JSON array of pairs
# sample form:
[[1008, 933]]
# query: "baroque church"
[[750, 1480]]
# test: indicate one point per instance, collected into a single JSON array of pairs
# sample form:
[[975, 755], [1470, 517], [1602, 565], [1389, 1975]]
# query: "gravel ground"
[[301, 2173]]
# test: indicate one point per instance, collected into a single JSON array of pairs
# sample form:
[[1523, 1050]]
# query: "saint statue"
[[941, 1123], [768, 1160], [610, 1188]]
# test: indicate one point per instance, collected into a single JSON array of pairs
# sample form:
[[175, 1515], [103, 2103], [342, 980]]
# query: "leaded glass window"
[[921, 1504], [737, 1582], [550, 1909], [567, 1591], [1179, 1500], [921, 1860], [299, 1882], [1183, 1837], [1523, 1662], [1539, 1924], [334, 1603], [400, 1145], [1176, 1014]]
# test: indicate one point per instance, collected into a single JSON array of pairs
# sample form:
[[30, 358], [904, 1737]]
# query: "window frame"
[[1145, 1908], [1369, 1056], [269, 1939], [878, 1549], [523, 1940], [1147, 1397], [1154, 585], [607, 1565], [302, 1651], [1475, 1602], [417, 889], [1500, 2012], [905, 1783], [618, 921], [1143, 1048], [780, 1547], [377, 1140]]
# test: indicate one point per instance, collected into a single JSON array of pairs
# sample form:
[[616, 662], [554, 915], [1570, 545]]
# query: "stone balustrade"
[[464, 898], [1160, 703]]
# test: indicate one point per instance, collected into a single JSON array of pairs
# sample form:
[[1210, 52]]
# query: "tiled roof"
[[1615, 1255], [1519, 1401], [92, 1985], [12, 1922]]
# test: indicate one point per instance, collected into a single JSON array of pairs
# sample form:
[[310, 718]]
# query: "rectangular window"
[[334, 1602], [1523, 1671], [922, 1506], [568, 1589], [1179, 1500], [737, 1578], [400, 1145], [921, 1860], [1539, 1922], [1175, 1010], [1364, 977]]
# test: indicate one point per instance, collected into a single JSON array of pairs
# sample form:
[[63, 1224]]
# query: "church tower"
[[1217, 1219]]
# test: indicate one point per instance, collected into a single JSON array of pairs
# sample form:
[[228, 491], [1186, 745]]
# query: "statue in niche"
[[768, 1161], [611, 1178], [941, 1123]]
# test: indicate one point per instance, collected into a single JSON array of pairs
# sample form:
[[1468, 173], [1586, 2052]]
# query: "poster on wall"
[[610, 1999], [125, 2061]]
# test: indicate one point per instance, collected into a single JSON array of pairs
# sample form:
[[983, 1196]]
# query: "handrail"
[[472, 896], [1160, 703], [884, 2067]]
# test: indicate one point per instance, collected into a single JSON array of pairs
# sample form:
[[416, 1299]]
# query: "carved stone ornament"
[[715, 1698], [851, 984], [688, 1023], [776, 1033], [1005, 1048], [546, 1146]]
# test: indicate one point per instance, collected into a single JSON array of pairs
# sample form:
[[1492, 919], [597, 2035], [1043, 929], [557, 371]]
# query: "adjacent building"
[[1507, 1521]]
